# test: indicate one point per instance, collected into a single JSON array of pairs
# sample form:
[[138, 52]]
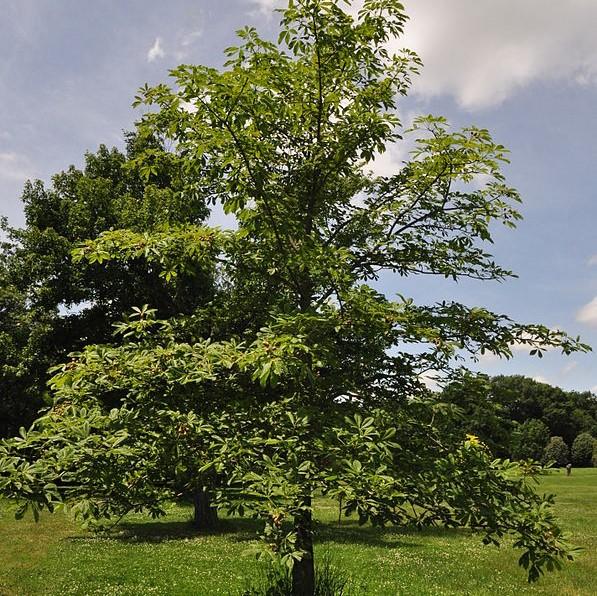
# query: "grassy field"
[[164, 557]]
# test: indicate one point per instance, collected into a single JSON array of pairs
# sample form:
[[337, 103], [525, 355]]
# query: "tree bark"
[[303, 571], [205, 516]]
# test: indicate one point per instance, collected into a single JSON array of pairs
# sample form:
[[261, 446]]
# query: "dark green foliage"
[[556, 451], [582, 450], [505, 412], [50, 305], [566, 413], [275, 580], [478, 413], [529, 440]]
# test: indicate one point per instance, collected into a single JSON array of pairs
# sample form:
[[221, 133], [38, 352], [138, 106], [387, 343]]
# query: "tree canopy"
[[50, 305], [298, 377], [516, 415]]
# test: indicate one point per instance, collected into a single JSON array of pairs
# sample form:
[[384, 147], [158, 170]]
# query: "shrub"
[[582, 450], [276, 580], [556, 451]]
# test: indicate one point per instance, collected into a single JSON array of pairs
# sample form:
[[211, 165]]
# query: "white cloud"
[[185, 43], [155, 51], [588, 313], [487, 358], [390, 162], [188, 106], [518, 347], [431, 379], [267, 6], [569, 367], [481, 52], [541, 379], [14, 166], [523, 346], [593, 260], [190, 38], [218, 218]]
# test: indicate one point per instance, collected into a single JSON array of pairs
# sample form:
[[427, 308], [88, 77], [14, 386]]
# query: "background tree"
[[500, 408], [529, 440], [556, 451], [50, 306], [566, 413], [480, 414], [314, 385], [582, 450]]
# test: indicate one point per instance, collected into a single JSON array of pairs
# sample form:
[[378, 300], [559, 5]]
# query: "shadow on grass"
[[239, 529], [350, 532]]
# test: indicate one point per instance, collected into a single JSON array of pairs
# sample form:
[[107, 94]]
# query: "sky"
[[524, 69]]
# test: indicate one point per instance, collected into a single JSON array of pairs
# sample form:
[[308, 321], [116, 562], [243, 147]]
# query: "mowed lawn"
[[165, 557]]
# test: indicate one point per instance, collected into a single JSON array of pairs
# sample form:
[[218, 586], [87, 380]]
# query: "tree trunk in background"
[[303, 571], [205, 516]]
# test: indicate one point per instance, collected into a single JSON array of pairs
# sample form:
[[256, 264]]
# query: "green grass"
[[165, 557]]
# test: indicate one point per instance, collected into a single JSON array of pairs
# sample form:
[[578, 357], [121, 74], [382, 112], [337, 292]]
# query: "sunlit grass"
[[166, 557]]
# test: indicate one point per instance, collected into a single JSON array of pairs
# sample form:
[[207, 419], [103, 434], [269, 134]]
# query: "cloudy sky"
[[525, 69]]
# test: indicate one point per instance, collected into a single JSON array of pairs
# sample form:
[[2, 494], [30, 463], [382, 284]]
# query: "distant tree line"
[[520, 418]]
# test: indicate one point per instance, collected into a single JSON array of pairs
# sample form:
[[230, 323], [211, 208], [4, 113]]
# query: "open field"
[[165, 557]]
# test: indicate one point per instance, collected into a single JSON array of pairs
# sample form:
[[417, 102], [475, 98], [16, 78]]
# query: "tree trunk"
[[205, 516], [303, 571]]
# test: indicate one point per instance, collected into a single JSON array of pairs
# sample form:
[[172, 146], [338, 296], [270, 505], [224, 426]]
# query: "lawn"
[[165, 557]]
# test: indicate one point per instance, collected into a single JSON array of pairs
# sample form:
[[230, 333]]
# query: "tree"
[[50, 306], [508, 412], [566, 413], [556, 451], [582, 450], [479, 414], [308, 379], [529, 440]]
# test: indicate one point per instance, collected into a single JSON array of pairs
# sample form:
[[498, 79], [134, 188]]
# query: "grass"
[[166, 558]]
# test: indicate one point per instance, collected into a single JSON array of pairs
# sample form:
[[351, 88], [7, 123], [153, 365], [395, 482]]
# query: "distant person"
[[568, 469]]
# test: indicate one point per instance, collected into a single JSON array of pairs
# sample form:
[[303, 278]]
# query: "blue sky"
[[527, 70]]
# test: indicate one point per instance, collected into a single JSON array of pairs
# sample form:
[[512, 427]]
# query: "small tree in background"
[[556, 451], [582, 450]]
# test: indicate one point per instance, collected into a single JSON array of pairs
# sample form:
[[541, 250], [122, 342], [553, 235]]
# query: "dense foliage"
[[556, 452], [581, 452], [50, 305], [298, 378], [529, 439], [515, 415]]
